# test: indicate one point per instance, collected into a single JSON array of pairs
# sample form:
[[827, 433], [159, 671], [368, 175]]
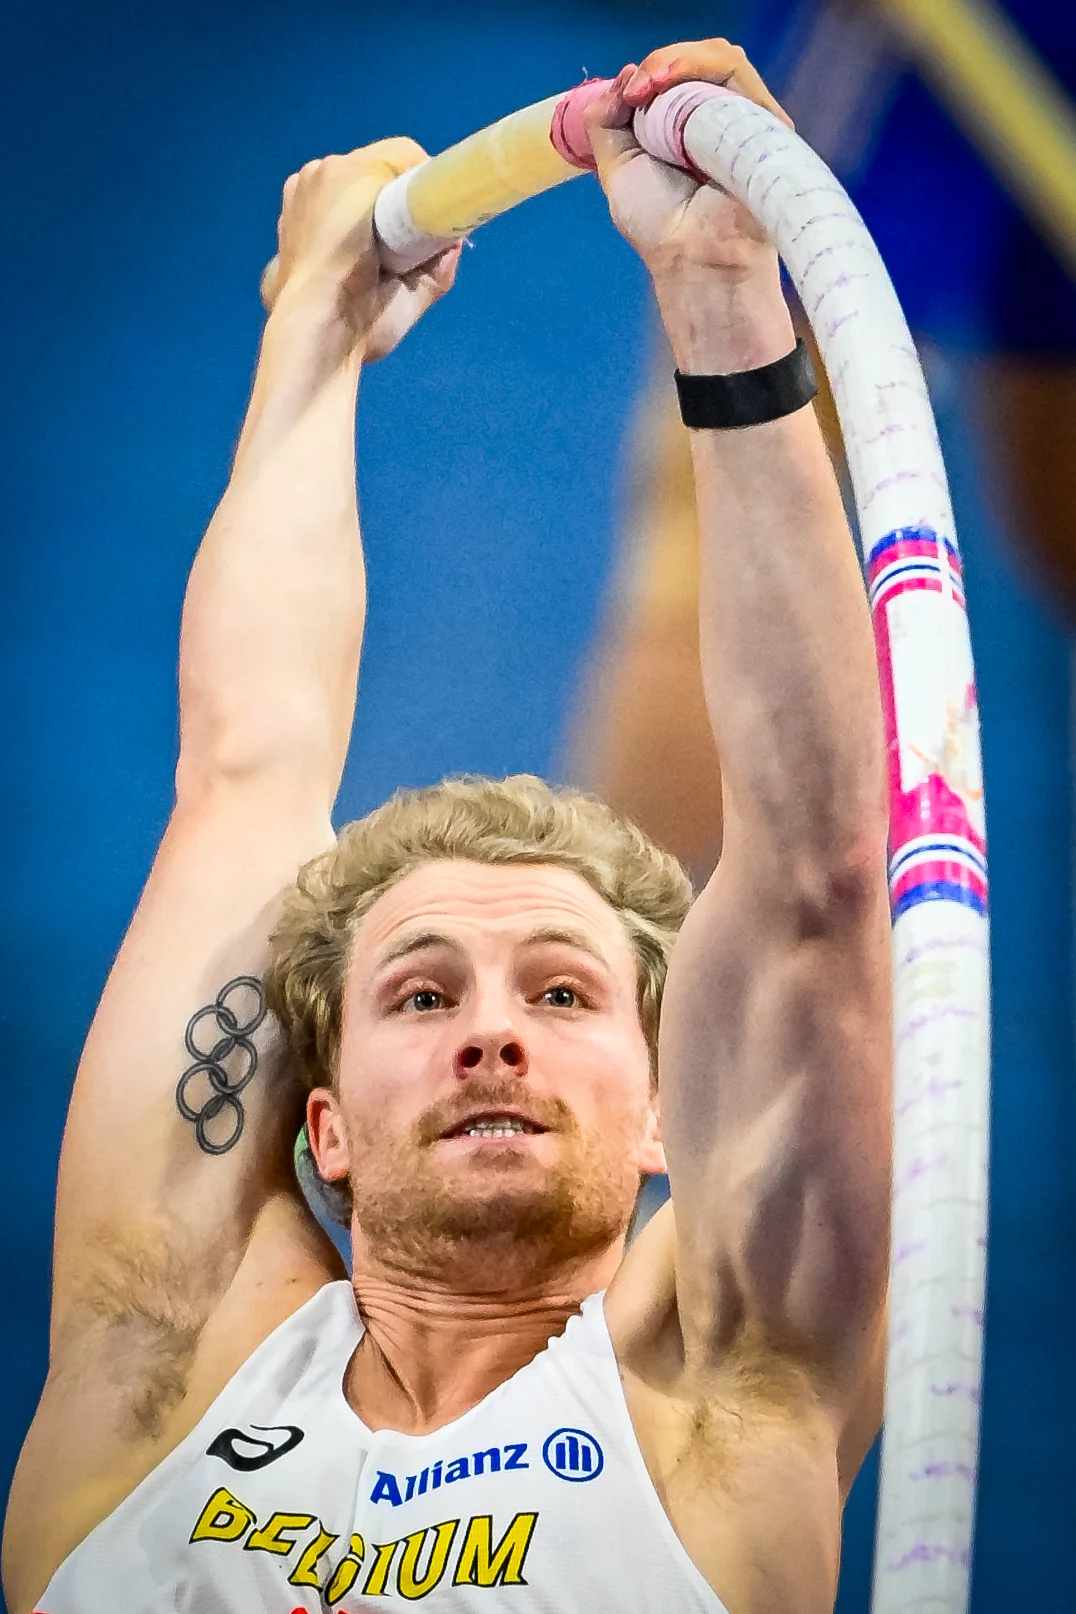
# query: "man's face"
[[494, 1101]]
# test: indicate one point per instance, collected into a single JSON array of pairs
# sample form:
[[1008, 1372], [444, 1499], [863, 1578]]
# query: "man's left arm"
[[776, 1044], [776, 1041]]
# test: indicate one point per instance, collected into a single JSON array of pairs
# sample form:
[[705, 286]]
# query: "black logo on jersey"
[[247, 1452]]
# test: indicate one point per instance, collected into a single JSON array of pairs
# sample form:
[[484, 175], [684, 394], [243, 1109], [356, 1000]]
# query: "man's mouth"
[[495, 1125]]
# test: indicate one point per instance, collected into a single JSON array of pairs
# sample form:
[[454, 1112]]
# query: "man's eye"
[[561, 997], [424, 1001]]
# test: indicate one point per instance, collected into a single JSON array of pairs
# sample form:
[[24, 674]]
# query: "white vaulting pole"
[[937, 839]]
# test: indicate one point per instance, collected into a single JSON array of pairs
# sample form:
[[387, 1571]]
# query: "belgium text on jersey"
[[466, 1550]]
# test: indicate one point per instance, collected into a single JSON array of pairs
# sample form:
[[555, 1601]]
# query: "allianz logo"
[[398, 1489], [570, 1454]]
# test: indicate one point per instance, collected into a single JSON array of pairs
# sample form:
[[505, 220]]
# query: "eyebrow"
[[417, 944], [544, 936], [555, 935]]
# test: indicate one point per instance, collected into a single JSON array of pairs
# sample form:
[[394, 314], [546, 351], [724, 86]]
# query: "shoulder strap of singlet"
[[316, 1340]]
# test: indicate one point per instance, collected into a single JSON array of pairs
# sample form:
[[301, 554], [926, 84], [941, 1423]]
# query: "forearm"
[[274, 612], [787, 653]]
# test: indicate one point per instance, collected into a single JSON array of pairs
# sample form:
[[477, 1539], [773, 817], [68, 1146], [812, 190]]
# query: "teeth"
[[495, 1129]]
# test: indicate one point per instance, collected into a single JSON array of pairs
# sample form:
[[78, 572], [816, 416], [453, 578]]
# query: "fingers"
[[392, 157], [432, 280], [404, 301], [326, 207], [326, 241], [714, 61], [399, 153], [608, 125]]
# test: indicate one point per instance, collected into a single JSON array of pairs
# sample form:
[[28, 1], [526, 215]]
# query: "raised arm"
[[180, 1236], [775, 1055]]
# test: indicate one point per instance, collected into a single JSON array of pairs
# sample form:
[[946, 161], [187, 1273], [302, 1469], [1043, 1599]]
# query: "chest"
[[385, 1518], [282, 1500], [543, 1491]]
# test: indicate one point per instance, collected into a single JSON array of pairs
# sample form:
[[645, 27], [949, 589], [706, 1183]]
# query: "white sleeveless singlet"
[[281, 1500]]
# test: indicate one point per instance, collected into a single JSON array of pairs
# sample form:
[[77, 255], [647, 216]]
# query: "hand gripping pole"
[[938, 877]]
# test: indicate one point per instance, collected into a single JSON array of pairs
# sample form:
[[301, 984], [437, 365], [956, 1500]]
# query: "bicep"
[[776, 1060], [182, 1115]]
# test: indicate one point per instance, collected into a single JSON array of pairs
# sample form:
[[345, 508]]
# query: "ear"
[[652, 1152], [328, 1140]]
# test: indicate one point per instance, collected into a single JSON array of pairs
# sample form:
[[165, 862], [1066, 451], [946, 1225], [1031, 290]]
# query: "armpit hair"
[[147, 1299]]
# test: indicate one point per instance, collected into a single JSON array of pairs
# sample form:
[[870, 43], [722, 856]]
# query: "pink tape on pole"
[[659, 128], [568, 131], [935, 850]]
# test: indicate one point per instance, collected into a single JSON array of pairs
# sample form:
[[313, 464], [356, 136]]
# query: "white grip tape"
[[403, 245]]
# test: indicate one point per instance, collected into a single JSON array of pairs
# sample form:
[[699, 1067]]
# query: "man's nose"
[[500, 1054]]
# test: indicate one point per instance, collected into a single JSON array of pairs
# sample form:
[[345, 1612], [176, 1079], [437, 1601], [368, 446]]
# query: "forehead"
[[492, 906]]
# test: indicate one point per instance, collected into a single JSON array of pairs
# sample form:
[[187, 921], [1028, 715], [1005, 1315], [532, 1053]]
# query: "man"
[[468, 984]]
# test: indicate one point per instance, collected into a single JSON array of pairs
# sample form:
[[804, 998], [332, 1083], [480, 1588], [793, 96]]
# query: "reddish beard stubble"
[[500, 1218]]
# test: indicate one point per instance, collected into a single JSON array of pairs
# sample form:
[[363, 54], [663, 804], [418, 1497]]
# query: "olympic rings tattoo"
[[225, 1090]]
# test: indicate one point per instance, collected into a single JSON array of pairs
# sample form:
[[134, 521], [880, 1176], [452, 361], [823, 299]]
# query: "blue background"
[[146, 148]]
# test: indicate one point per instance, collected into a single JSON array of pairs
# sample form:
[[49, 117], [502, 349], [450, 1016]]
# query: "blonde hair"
[[516, 820]]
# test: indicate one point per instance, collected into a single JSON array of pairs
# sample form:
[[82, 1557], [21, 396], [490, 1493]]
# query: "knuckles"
[[401, 149], [383, 160], [696, 56]]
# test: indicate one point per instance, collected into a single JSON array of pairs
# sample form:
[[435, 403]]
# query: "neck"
[[432, 1351]]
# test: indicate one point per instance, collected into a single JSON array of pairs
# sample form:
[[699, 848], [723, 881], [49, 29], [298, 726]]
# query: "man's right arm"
[[269, 647], [181, 1239]]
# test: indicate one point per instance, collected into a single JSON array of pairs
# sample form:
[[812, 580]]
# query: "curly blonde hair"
[[496, 821]]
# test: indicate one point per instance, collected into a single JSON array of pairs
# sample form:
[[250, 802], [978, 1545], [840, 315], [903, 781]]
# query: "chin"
[[527, 1220]]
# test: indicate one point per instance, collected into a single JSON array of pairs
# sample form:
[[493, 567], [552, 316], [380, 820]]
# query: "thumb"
[[608, 121]]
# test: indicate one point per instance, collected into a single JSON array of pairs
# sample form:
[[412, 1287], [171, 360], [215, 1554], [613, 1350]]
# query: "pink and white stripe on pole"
[[938, 875]]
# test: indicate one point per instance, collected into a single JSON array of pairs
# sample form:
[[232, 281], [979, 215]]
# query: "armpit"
[[135, 1315]]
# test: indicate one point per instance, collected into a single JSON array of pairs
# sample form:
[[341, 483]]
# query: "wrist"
[[310, 319], [308, 370], [720, 324]]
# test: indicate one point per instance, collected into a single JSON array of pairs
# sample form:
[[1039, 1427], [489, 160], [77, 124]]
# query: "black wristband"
[[751, 397]]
